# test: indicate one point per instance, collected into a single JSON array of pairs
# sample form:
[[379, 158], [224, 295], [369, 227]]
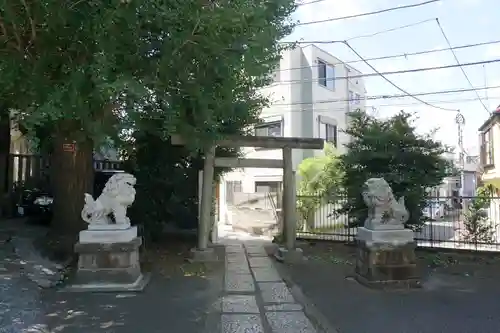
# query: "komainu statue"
[[111, 206], [383, 209]]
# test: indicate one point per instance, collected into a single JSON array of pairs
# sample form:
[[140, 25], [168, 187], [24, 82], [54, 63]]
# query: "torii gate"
[[289, 253]]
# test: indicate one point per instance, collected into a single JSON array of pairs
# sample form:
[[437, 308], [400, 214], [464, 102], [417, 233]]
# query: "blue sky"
[[464, 22]]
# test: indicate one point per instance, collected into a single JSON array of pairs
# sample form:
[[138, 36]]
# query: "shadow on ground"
[[180, 298], [459, 294]]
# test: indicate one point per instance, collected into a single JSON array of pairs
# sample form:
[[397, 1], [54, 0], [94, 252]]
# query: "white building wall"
[[302, 104], [333, 104]]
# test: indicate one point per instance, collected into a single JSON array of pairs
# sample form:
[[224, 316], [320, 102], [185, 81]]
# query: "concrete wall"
[[303, 106]]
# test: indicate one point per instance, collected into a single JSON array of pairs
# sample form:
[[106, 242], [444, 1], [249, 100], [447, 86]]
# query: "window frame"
[[268, 125], [488, 148], [323, 77], [334, 139], [357, 98]]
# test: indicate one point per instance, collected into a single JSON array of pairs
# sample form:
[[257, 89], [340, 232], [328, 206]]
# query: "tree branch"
[[188, 40], [32, 22]]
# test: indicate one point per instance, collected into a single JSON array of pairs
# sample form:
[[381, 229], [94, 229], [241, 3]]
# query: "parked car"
[[434, 210], [36, 203]]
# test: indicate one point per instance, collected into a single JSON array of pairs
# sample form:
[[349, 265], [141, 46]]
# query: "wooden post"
[[289, 220], [293, 232], [206, 199]]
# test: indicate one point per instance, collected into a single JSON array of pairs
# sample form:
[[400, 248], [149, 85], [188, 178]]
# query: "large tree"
[[4, 156], [391, 148], [82, 69]]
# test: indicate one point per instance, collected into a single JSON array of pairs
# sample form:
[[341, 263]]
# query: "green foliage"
[[76, 66], [167, 184], [99, 69], [409, 162], [477, 225], [320, 177]]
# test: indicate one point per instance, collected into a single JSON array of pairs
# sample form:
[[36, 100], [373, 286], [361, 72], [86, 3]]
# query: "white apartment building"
[[311, 94]]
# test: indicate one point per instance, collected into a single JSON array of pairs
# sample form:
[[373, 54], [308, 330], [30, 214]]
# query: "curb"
[[311, 311]]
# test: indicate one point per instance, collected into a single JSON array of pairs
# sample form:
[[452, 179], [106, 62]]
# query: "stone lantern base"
[[108, 261], [386, 259]]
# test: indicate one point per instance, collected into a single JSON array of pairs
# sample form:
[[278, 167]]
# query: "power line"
[[368, 13], [451, 101], [375, 33], [413, 70], [458, 63], [401, 55], [342, 108], [309, 3], [395, 96], [390, 30]]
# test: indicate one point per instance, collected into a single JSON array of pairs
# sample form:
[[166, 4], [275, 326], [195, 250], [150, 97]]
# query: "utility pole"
[[486, 85], [460, 121]]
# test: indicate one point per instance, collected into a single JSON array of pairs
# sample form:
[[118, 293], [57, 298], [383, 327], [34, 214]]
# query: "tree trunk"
[[4, 160], [72, 176]]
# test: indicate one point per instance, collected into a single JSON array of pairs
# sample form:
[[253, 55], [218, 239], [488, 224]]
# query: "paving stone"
[[234, 249], [289, 322], [275, 292], [284, 307], [239, 323], [236, 267], [256, 251], [266, 274], [239, 303], [239, 282], [236, 257], [260, 262]]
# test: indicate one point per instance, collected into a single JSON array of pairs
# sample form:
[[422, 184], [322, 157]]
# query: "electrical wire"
[[395, 96], [354, 106], [368, 13], [309, 3], [378, 32], [392, 83], [413, 70], [460, 66], [401, 55], [391, 30]]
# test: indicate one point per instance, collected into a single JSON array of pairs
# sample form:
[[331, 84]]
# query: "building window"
[[487, 148], [354, 98], [326, 75], [269, 129], [357, 99], [331, 134]]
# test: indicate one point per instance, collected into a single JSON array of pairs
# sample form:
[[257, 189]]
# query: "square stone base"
[[289, 256], [205, 255], [386, 264], [108, 236], [108, 267]]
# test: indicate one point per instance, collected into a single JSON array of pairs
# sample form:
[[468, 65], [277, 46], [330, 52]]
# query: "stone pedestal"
[[386, 258], [108, 261], [203, 255]]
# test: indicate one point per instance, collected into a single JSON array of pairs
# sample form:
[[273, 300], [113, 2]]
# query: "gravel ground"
[[459, 293], [179, 298]]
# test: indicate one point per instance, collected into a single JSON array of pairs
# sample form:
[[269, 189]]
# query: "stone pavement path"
[[256, 300]]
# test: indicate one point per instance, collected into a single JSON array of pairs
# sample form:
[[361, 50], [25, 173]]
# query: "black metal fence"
[[461, 223], [33, 171]]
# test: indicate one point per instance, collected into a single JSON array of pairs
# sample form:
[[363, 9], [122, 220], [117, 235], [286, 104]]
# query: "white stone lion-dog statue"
[[118, 194], [383, 209]]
